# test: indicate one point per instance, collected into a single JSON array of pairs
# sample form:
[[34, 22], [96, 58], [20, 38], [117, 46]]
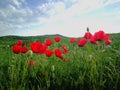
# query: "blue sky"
[[65, 17]]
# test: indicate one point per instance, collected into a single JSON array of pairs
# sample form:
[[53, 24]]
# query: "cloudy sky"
[[65, 17]]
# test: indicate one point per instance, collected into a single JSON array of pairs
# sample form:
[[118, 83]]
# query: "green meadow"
[[92, 67]]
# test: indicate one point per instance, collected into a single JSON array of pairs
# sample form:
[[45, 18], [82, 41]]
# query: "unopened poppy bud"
[[29, 53], [53, 68], [8, 46]]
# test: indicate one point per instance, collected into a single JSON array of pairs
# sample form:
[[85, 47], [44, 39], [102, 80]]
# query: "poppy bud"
[[53, 68], [29, 53]]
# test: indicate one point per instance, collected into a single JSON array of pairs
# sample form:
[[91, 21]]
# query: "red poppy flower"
[[24, 49], [57, 38], [82, 42], [108, 41], [35, 46], [99, 35], [16, 49], [48, 53], [31, 63], [65, 49], [87, 35], [48, 42], [42, 48], [20, 42], [38, 47], [58, 53], [106, 37], [93, 40], [73, 40]]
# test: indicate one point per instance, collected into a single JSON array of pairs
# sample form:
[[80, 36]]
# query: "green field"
[[92, 67]]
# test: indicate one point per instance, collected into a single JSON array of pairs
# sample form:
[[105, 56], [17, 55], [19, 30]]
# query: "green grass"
[[89, 68]]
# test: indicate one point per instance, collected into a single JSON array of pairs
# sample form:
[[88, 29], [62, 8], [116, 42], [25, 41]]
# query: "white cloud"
[[14, 18], [2, 14], [11, 8], [57, 8], [73, 1], [65, 23], [108, 2], [57, 18], [23, 1], [16, 3], [74, 28], [15, 15]]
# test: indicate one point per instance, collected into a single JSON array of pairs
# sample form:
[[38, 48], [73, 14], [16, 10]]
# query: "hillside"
[[10, 37]]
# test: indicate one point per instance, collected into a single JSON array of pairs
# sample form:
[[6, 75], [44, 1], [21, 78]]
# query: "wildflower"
[[38, 47], [16, 49], [87, 35], [73, 40], [58, 53], [93, 40], [106, 37], [48, 53], [108, 41], [35, 46], [65, 49], [48, 42], [42, 48], [24, 49], [82, 42], [29, 53], [20, 42], [31, 63], [99, 35], [57, 38]]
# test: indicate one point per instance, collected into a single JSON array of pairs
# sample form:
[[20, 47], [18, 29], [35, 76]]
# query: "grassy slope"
[[91, 67]]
